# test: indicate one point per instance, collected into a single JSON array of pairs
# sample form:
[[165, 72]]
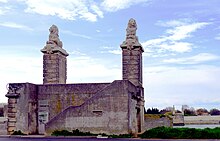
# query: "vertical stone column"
[[54, 59], [12, 103], [132, 68], [132, 65], [22, 108], [13, 94], [54, 68], [132, 55]]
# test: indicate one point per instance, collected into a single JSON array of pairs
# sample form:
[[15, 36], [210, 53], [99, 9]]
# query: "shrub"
[[79, 133], [61, 133], [1, 112], [18, 133], [214, 112], [182, 133], [121, 136], [73, 133]]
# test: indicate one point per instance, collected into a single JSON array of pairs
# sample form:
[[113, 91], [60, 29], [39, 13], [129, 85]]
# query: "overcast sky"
[[181, 39]]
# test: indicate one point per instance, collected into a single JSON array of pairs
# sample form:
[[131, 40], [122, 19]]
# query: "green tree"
[[202, 111], [166, 110], [189, 112], [214, 112], [1, 112], [153, 111]]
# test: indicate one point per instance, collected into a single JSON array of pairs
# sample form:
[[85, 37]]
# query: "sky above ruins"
[[181, 39]]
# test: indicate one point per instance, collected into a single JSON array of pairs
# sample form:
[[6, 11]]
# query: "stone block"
[[126, 52], [12, 115], [51, 66], [11, 124], [134, 71], [51, 70], [128, 57], [134, 76], [10, 119], [51, 75], [134, 62], [135, 57], [53, 56], [11, 129], [12, 101], [12, 110], [12, 105], [54, 68], [54, 61]]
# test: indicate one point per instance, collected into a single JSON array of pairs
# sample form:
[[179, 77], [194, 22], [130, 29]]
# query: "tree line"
[[186, 110], [1, 112]]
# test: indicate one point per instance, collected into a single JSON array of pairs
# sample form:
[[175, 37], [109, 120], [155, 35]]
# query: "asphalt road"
[[62, 139], [83, 139]]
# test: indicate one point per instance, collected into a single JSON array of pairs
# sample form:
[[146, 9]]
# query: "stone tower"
[[132, 67], [54, 59], [132, 55]]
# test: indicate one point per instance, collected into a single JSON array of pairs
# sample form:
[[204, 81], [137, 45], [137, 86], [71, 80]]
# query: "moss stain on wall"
[[58, 105], [73, 100], [68, 100]]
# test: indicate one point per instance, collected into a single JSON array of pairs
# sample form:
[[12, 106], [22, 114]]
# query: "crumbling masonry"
[[111, 108]]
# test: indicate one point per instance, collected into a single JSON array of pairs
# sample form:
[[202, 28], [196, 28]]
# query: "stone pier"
[[54, 59], [12, 95], [132, 68], [111, 108]]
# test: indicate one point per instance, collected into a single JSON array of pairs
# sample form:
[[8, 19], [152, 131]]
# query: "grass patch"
[[73, 133], [182, 133], [157, 116], [79, 133], [153, 116]]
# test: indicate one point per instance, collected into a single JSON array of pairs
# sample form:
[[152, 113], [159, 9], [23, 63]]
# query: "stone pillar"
[[12, 103], [22, 108], [132, 55], [54, 68], [132, 65], [13, 94], [54, 59], [132, 68]]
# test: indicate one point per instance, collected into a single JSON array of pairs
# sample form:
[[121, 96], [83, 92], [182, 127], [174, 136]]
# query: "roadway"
[[87, 139]]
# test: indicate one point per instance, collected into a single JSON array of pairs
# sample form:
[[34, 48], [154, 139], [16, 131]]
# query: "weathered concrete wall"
[[157, 122], [22, 111], [178, 119], [13, 94], [61, 96], [132, 114], [105, 112], [3, 126], [27, 109], [201, 119], [5, 109], [97, 107]]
